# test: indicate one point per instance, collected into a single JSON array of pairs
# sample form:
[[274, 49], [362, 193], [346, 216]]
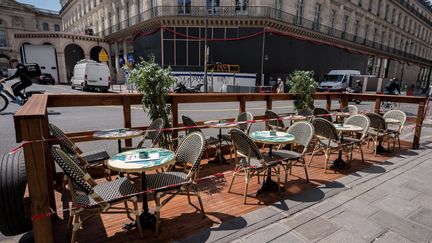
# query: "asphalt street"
[[104, 117]]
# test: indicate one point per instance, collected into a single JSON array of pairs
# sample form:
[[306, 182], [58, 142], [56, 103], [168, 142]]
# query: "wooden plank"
[[127, 117], [35, 107], [377, 105], [328, 102], [343, 101], [242, 107], [174, 112], [419, 124], [35, 156]]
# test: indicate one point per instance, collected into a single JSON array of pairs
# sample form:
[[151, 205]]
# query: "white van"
[[89, 74], [337, 80]]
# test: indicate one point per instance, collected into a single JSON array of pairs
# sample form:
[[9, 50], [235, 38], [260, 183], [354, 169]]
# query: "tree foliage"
[[303, 85]]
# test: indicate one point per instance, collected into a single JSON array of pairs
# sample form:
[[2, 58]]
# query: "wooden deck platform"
[[180, 219]]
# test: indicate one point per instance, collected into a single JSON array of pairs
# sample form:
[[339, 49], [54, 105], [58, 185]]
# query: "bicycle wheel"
[[3, 102]]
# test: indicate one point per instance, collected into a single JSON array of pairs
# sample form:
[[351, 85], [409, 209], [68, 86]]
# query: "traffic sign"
[[103, 56]]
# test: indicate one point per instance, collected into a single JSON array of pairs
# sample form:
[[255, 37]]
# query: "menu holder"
[[138, 157]]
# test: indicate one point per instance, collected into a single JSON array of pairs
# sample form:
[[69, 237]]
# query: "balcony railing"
[[257, 12]]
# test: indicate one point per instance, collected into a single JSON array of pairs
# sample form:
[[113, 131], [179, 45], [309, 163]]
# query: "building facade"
[[387, 38], [18, 17]]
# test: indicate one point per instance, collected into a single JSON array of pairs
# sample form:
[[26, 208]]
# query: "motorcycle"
[[354, 91], [7, 96], [181, 88]]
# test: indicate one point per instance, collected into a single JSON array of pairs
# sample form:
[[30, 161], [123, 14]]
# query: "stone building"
[[387, 38], [19, 17]]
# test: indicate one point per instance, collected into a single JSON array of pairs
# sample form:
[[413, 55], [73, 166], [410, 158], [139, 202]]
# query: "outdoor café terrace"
[[51, 203]]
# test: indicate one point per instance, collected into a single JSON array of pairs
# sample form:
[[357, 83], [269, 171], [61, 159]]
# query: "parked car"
[[92, 75], [45, 78]]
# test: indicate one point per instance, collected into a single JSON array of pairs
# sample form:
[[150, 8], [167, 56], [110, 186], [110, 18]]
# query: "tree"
[[303, 85]]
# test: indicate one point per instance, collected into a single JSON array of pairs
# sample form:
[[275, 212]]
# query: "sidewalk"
[[391, 202]]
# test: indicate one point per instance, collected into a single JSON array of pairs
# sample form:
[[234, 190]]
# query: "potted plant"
[[303, 85], [153, 82]]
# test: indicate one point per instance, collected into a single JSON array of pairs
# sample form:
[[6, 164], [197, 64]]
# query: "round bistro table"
[[118, 134], [265, 137], [219, 124], [136, 161], [343, 128]]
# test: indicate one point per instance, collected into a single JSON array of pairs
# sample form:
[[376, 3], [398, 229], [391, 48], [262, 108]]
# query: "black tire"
[[13, 181], [4, 102]]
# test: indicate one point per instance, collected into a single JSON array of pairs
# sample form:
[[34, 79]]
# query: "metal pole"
[[262, 58], [205, 53]]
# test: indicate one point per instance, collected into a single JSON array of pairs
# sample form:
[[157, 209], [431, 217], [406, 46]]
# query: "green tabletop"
[[266, 138], [140, 160], [118, 133]]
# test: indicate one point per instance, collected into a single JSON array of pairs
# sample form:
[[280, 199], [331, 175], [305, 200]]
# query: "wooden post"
[[36, 155], [269, 102], [328, 102], [343, 101], [377, 105], [127, 117], [242, 104], [419, 124], [174, 111]]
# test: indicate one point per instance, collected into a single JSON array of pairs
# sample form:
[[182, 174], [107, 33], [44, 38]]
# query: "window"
[[278, 6], [393, 15], [345, 25], [366, 33], [316, 23], [374, 36], [382, 38], [127, 12], [299, 12], [45, 27], [370, 5], [386, 11], [332, 20], [241, 6], [184, 6], [118, 18], [3, 42], [399, 19], [379, 8], [109, 22], [405, 23], [360, 3], [56, 27], [356, 28], [213, 6]]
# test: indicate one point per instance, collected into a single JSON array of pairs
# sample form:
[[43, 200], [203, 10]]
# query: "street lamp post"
[[206, 54], [262, 58]]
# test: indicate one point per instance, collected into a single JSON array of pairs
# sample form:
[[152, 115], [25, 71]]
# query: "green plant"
[[303, 85], [153, 82]]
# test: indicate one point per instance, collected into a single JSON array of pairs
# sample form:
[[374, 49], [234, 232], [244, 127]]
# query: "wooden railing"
[[31, 125]]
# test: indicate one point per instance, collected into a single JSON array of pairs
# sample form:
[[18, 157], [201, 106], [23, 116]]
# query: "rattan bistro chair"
[[244, 125], [193, 127], [172, 183], [394, 133], [303, 132], [276, 124], [87, 159], [322, 113], [90, 199], [327, 139], [377, 129], [363, 122], [351, 109], [252, 162], [153, 133]]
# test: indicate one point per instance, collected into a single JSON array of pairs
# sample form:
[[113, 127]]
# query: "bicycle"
[[390, 105], [7, 96]]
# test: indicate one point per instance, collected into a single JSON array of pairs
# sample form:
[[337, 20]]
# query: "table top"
[[118, 133], [295, 117], [392, 121], [140, 160], [220, 124], [266, 138], [347, 128], [342, 114]]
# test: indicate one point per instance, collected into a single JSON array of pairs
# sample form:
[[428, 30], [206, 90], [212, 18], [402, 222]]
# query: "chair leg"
[[76, 225], [398, 138], [188, 195], [127, 210], [137, 217], [305, 169], [232, 181], [157, 213], [286, 172], [70, 223], [246, 187], [327, 156], [361, 153], [278, 178], [197, 193], [312, 155]]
